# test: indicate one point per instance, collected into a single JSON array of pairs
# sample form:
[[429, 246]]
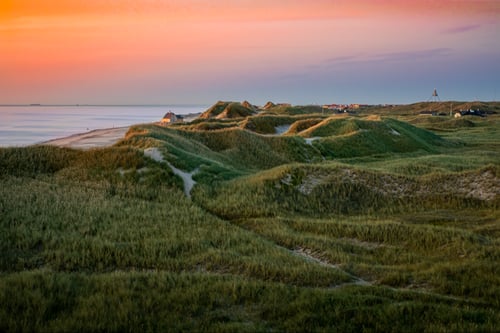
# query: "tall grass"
[[329, 189], [94, 227], [447, 260], [273, 239], [120, 301]]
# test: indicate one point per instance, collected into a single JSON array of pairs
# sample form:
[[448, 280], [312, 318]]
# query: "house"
[[170, 118], [472, 112]]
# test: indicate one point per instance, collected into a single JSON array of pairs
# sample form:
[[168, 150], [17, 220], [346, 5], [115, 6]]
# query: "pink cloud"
[[462, 28]]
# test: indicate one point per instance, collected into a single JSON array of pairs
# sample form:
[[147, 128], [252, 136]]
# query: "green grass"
[[438, 259], [227, 110], [191, 301], [443, 107], [352, 137], [295, 109], [331, 188], [266, 124], [362, 230]]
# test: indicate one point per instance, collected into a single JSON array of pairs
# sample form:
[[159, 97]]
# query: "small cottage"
[[169, 118]]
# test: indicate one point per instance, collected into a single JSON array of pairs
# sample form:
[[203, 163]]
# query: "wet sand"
[[93, 139]]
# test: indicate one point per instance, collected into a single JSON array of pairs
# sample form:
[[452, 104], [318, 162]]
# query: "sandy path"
[[310, 141], [282, 129], [187, 177], [93, 139], [310, 256]]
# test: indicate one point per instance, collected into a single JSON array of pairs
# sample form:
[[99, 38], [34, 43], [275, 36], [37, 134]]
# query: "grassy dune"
[[378, 224], [442, 107]]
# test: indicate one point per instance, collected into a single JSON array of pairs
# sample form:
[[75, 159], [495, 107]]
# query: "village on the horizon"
[[431, 105]]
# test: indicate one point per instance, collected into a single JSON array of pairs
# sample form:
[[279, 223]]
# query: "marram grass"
[[400, 234]]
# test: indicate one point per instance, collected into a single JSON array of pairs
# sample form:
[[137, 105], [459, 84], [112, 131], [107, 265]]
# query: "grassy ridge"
[[294, 109], [190, 147], [232, 148], [443, 107], [351, 137], [328, 189], [224, 110], [399, 234]]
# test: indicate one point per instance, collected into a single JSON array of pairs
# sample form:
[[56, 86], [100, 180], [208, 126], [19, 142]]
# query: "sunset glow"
[[199, 51]]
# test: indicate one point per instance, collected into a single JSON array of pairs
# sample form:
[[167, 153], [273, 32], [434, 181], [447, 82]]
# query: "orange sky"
[[153, 50], [248, 9]]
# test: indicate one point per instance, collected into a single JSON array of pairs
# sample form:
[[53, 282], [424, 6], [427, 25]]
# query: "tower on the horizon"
[[434, 97]]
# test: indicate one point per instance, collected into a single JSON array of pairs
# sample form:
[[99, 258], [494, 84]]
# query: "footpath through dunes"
[[280, 234], [187, 177]]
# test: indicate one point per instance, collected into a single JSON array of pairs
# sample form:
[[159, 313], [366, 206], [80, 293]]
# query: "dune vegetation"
[[299, 220]]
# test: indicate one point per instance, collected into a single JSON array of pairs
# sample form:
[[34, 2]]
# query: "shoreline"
[[97, 138], [93, 139]]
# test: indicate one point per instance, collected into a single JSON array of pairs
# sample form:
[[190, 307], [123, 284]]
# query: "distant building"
[[170, 118], [336, 107], [472, 112], [356, 106]]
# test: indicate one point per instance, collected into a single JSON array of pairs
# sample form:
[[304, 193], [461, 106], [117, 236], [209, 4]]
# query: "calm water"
[[27, 125]]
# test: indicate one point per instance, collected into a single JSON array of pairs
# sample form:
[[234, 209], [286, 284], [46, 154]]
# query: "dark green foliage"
[[120, 301], [34, 160]]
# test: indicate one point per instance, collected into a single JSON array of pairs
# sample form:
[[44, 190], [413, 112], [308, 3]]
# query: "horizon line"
[[207, 104], [85, 104]]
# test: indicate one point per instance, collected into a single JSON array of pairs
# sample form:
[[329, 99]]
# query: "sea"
[[24, 125]]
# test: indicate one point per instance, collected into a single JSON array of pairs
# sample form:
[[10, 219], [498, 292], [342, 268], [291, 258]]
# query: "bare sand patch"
[[187, 177], [93, 139], [310, 141], [282, 129], [373, 117], [315, 257]]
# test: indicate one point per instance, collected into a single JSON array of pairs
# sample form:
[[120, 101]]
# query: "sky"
[[201, 51]]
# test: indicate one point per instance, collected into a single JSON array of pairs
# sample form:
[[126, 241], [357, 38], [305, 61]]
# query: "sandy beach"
[[93, 139]]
